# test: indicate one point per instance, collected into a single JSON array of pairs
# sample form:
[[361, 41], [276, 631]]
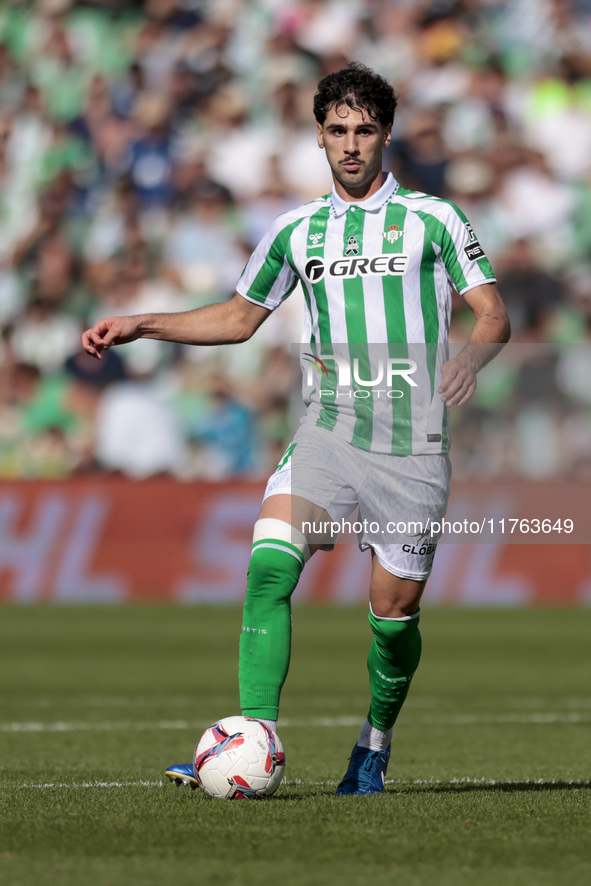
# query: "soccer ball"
[[239, 758]]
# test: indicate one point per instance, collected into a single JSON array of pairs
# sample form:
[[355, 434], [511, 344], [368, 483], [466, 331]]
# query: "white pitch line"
[[491, 782], [451, 720], [113, 702], [311, 722], [519, 704], [100, 727], [95, 784], [163, 724], [320, 721], [475, 719]]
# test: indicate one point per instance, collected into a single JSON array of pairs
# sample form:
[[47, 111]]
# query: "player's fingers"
[[104, 334], [96, 333], [449, 372], [463, 394], [462, 386], [89, 346], [115, 332], [453, 387], [446, 377], [468, 394], [110, 335]]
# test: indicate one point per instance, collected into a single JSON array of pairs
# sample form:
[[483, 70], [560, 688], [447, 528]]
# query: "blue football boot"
[[182, 773], [366, 773]]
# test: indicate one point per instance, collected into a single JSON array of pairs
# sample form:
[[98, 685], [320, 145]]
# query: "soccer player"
[[377, 264]]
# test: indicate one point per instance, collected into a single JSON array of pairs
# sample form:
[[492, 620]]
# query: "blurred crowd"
[[146, 147]]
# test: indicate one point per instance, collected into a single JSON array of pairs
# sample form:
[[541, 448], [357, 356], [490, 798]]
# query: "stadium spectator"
[[159, 138]]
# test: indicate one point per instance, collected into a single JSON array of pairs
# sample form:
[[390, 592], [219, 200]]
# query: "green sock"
[[393, 658], [265, 642]]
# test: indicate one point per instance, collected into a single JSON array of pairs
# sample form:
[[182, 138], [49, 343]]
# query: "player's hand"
[[110, 331], [458, 382]]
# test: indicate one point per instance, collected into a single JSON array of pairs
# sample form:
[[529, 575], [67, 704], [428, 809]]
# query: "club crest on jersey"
[[315, 240], [392, 235], [352, 247], [358, 266]]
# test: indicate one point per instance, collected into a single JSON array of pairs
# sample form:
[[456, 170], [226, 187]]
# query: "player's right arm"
[[266, 281], [225, 323]]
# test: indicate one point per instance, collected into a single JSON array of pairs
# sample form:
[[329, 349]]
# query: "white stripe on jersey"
[[377, 330], [442, 252]]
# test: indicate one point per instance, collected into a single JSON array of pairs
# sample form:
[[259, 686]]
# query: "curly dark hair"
[[358, 87]]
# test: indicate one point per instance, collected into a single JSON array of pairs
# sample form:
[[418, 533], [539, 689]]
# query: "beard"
[[359, 179]]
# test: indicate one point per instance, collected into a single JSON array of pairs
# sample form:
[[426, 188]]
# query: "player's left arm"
[[490, 332]]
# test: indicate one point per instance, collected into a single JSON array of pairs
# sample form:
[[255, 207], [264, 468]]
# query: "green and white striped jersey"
[[375, 273]]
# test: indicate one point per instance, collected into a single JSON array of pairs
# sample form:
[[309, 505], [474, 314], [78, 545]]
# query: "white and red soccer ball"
[[239, 758]]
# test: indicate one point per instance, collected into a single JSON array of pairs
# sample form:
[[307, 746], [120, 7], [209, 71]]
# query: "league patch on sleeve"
[[474, 251]]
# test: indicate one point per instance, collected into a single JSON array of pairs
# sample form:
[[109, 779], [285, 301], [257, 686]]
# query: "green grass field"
[[489, 781]]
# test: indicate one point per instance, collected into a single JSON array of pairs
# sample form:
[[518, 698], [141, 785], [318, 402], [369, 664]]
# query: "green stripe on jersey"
[[439, 233], [444, 434], [353, 288], [483, 263], [317, 228], [485, 267], [376, 305], [392, 286], [434, 229], [357, 329], [429, 306], [396, 330], [272, 267]]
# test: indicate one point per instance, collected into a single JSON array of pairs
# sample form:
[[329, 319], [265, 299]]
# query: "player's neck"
[[355, 195]]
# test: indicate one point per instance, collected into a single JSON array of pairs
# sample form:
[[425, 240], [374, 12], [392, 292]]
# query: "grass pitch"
[[489, 781]]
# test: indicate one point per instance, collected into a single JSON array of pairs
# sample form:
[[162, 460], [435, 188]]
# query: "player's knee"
[[278, 557], [269, 577], [392, 629], [396, 609], [270, 530]]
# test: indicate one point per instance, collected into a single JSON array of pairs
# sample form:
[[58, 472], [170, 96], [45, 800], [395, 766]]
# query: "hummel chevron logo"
[[315, 240]]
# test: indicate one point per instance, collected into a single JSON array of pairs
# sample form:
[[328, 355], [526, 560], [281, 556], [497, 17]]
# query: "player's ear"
[[320, 135], [387, 134]]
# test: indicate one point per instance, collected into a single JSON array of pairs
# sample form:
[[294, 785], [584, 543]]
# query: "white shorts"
[[399, 496]]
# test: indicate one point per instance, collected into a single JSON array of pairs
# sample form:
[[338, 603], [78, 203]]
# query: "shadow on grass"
[[293, 794], [298, 795], [499, 786]]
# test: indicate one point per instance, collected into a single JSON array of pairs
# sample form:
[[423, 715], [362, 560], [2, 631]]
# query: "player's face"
[[353, 142]]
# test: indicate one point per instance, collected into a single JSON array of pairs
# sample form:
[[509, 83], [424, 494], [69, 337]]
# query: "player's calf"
[[279, 553]]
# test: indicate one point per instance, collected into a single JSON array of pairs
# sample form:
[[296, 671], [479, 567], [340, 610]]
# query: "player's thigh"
[[298, 512], [402, 499], [391, 595], [311, 488]]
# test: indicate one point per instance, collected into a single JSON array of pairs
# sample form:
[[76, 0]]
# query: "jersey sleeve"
[[463, 257], [269, 277]]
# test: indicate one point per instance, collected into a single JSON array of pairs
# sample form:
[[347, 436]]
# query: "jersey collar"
[[372, 204]]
